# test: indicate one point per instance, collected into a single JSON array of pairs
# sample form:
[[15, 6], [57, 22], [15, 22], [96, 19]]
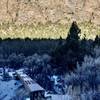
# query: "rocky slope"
[[55, 11]]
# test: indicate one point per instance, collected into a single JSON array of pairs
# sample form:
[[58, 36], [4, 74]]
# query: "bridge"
[[34, 89]]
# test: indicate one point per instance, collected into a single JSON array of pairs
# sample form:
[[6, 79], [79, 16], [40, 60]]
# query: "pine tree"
[[67, 55], [72, 40], [97, 41]]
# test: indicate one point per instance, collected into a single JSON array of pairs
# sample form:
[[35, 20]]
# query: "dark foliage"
[[27, 46], [72, 51], [65, 53]]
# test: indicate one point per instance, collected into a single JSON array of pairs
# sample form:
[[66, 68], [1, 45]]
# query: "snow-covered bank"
[[8, 89], [61, 97]]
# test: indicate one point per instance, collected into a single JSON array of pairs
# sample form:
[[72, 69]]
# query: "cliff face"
[[55, 11]]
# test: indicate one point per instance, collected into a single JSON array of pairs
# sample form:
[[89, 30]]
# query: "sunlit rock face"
[[55, 11]]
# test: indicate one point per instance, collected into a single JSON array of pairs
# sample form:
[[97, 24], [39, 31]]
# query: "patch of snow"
[[8, 89], [27, 98], [54, 78], [11, 74], [61, 97]]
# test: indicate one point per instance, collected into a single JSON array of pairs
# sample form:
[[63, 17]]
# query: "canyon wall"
[[53, 11]]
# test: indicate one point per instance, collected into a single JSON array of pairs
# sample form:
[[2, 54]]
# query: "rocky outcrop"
[[44, 11]]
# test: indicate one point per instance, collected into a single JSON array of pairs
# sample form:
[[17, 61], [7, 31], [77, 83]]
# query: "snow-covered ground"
[[12, 89], [8, 89], [57, 97], [61, 97]]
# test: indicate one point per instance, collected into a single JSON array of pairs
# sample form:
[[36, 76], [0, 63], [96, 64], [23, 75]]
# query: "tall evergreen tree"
[[66, 55], [72, 46], [72, 40], [97, 41]]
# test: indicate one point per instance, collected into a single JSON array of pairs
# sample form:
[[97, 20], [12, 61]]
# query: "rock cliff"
[[44, 11]]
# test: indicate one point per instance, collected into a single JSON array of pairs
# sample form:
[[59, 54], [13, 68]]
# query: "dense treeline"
[[65, 53], [85, 80], [66, 56], [79, 60], [27, 46]]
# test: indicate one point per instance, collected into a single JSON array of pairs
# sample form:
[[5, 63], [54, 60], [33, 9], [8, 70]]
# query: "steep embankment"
[[42, 11], [41, 18]]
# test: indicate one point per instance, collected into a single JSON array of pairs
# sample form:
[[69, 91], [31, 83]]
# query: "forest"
[[76, 61]]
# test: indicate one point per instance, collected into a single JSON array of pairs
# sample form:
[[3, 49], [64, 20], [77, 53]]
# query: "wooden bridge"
[[35, 90]]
